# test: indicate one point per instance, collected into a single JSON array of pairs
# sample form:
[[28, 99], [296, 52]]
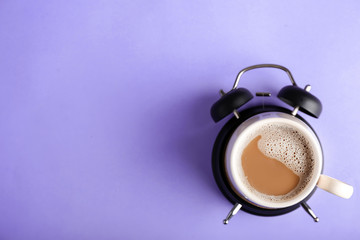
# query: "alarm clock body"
[[226, 141]]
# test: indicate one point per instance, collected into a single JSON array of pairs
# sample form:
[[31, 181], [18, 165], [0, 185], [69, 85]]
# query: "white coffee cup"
[[239, 141]]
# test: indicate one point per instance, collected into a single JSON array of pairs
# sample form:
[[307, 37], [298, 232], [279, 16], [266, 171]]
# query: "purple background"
[[105, 130]]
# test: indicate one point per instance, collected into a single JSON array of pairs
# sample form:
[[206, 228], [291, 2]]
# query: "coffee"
[[277, 138], [267, 175], [277, 162]]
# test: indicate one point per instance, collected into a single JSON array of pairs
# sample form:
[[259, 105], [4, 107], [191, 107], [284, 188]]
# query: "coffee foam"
[[289, 146]]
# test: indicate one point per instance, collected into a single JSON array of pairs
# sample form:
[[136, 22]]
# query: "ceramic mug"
[[238, 142]]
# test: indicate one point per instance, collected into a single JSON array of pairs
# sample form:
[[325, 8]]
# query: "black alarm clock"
[[227, 163]]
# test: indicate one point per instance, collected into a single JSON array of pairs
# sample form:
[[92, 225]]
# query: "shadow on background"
[[195, 141]]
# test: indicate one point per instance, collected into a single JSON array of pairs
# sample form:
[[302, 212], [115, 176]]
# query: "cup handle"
[[335, 186]]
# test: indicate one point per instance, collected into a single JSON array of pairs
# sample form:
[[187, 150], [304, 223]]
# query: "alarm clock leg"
[[309, 211], [232, 212]]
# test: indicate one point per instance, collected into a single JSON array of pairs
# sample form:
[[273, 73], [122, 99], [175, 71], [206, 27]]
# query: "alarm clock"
[[227, 142]]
